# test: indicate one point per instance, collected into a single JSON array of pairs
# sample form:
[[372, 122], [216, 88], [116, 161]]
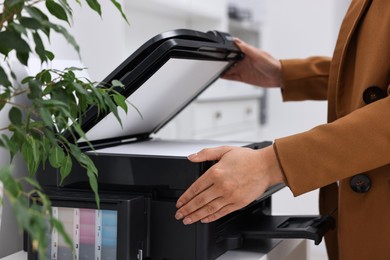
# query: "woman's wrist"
[[270, 166]]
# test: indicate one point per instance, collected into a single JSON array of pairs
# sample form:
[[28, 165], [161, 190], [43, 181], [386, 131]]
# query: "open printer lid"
[[161, 78]]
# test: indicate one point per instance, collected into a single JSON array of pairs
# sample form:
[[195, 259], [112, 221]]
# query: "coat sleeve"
[[356, 143], [305, 79]]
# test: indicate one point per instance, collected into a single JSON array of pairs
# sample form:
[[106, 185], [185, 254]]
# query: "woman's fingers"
[[239, 177]]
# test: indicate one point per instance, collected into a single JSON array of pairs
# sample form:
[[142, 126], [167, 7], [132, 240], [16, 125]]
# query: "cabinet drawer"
[[213, 115]]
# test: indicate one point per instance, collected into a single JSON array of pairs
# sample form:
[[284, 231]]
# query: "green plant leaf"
[[74, 150], [69, 75], [119, 7], [4, 78], [66, 6], [35, 90], [41, 17], [94, 185], [5, 173], [12, 41], [57, 10], [15, 116], [120, 101], [30, 23], [13, 7], [18, 28], [23, 57], [49, 135], [9, 144], [79, 88], [55, 103], [33, 182], [49, 55], [117, 84], [45, 115], [35, 145], [13, 188], [78, 130], [66, 168], [30, 152], [94, 4], [87, 162], [11, 3], [112, 107], [39, 199], [15, 143], [97, 95], [39, 47], [45, 148], [27, 80], [36, 13], [61, 30], [56, 156], [6, 95], [46, 76]]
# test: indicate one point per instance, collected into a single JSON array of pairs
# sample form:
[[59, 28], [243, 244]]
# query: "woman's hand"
[[257, 68], [241, 176]]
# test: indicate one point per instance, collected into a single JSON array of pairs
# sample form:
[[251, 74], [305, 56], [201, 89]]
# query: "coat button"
[[373, 94], [360, 183]]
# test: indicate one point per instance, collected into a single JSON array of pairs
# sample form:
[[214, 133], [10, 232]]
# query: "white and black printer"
[[140, 178]]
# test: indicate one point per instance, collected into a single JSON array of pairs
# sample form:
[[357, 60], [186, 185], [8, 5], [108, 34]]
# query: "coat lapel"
[[354, 14]]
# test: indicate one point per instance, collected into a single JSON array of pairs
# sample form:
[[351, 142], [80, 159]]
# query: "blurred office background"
[[228, 110]]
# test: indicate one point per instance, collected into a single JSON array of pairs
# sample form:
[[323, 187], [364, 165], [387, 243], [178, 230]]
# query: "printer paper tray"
[[307, 227]]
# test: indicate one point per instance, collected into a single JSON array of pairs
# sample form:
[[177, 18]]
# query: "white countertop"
[[272, 249], [17, 256]]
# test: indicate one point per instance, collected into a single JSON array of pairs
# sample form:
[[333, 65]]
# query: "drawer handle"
[[248, 111], [218, 115]]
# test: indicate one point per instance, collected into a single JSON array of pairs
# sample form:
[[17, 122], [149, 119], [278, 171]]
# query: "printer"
[[141, 177]]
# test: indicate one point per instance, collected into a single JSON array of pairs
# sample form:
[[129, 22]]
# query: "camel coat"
[[350, 156]]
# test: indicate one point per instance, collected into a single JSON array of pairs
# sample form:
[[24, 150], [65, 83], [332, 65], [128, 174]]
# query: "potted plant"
[[57, 101]]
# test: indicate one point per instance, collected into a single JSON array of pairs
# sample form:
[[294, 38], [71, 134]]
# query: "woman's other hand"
[[257, 68]]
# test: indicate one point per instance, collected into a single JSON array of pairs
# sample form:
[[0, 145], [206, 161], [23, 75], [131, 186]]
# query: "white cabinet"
[[224, 114], [233, 120]]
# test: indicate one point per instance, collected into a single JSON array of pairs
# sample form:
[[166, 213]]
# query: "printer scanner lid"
[[161, 78]]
